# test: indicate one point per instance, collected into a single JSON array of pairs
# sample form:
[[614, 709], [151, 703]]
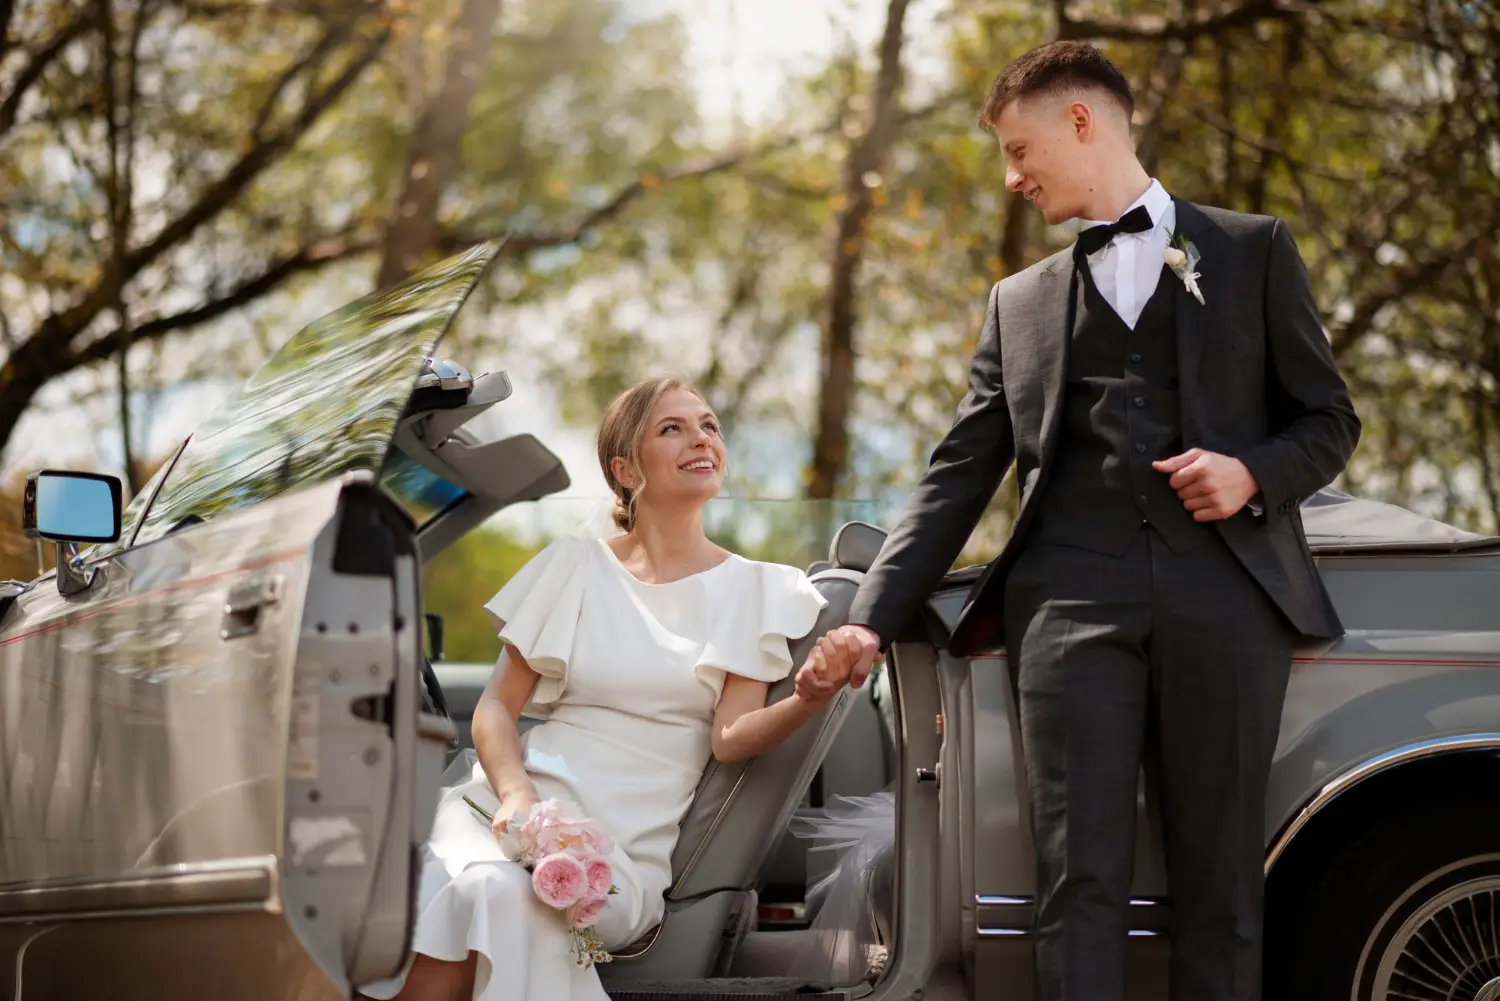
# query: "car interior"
[[737, 916]]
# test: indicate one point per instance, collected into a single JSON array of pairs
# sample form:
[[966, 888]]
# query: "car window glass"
[[422, 492], [325, 404]]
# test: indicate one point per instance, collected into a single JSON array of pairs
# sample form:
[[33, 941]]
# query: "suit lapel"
[[1054, 328], [1195, 319]]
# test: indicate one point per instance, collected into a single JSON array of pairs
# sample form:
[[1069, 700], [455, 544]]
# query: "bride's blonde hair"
[[620, 435]]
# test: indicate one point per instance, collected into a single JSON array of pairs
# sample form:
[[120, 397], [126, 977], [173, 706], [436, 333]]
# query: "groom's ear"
[[1081, 121]]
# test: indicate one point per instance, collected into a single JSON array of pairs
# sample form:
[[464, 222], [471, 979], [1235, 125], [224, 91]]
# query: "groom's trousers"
[[1183, 659]]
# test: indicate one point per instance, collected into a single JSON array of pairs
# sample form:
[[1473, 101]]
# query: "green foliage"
[[458, 581]]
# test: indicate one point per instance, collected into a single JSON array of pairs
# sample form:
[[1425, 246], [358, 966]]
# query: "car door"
[[211, 754]]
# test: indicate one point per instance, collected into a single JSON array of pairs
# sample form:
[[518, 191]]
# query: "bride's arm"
[[745, 726], [497, 733]]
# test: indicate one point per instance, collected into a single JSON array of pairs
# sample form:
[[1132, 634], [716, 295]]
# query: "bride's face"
[[682, 451]]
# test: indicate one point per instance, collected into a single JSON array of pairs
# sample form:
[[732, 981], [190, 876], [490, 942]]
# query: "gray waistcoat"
[[1120, 413]]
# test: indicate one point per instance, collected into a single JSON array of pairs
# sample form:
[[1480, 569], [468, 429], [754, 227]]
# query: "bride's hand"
[[519, 802], [831, 661]]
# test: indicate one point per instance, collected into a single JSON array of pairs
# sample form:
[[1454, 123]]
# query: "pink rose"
[[559, 881], [581, 837], [601, 876], [596, 839], [584, 913]]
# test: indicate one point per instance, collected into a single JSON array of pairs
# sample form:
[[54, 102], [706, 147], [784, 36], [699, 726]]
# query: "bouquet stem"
[[480, 810]]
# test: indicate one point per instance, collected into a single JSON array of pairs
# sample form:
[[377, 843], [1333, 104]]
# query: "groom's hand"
[[1212, 486], [843, 655]]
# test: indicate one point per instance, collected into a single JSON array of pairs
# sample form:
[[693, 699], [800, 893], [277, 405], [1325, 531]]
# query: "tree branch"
[[34, 69], [307, 259], [215, 198], [520, 244], [1156, 28], [1405, 281], [7, 10], [255, 160], [320, 49]]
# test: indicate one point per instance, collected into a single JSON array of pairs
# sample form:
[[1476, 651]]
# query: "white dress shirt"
[[1128, 267]]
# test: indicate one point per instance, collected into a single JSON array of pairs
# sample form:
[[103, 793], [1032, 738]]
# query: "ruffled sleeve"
[[766, 607], [537, 613]]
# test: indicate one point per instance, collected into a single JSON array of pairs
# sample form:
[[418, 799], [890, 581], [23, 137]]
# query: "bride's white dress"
[[630, 676]]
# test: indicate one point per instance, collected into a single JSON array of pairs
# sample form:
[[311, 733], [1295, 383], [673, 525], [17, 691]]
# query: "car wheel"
[[1410, 912]]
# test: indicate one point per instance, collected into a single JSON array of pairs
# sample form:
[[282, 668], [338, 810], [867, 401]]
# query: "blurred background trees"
[[185, 183]]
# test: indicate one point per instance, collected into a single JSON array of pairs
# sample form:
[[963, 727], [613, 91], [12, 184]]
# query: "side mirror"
[[71, 507], [67, 508]]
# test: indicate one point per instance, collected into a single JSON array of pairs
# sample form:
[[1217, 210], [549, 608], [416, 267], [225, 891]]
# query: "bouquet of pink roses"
[[567, 856]]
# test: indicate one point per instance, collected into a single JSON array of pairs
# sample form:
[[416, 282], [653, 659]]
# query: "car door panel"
[[227, 726]]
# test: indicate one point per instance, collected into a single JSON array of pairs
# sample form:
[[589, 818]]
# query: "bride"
[[643, 654]]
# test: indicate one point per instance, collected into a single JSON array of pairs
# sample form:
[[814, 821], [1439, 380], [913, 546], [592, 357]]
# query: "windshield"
[[325, 404]]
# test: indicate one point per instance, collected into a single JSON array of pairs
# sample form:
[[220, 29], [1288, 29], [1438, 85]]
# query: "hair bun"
[[620, 513]]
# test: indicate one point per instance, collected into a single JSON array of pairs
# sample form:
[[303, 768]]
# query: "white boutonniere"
[[1182, 257]]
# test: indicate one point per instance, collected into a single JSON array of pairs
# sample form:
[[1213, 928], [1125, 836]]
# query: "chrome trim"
[[649, 939], [999, 901], [1148, 909], [1026, 932], [1384, 761], [229, 883]]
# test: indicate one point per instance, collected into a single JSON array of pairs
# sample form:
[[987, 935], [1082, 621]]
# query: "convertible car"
[[222, 731]]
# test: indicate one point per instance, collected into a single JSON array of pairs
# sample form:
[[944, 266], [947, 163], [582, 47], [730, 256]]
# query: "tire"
[[1409, 912]]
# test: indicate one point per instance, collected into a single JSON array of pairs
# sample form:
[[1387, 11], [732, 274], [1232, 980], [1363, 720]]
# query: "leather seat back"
[[741, 806], [855, 545]]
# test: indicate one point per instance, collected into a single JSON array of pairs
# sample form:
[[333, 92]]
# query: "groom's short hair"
[[1056, 68]]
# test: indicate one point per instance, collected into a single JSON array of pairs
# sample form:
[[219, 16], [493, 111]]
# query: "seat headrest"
[[855, 546]]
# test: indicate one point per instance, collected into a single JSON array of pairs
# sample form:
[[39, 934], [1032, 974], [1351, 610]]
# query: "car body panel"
[[126, 704]]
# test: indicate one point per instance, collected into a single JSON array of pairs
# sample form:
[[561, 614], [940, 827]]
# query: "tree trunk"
[[836, 383], [432, 157], [120, 131]]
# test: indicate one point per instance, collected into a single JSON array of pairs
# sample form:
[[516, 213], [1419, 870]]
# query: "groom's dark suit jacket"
[[1256, 381]]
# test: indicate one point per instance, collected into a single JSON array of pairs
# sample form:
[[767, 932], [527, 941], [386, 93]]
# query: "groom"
[[1168, 397]]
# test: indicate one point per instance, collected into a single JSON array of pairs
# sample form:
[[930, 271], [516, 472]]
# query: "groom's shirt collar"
[[1157, 202]]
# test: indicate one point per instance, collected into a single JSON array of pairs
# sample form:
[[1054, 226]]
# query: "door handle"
[[243, 605]]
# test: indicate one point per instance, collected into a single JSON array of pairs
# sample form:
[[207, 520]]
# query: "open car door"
[[217, 770]]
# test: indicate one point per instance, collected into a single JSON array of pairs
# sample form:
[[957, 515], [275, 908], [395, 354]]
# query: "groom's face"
[[1044, 139]]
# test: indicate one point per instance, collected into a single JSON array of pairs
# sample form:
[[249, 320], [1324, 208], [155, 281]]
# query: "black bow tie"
[[1093, 239]]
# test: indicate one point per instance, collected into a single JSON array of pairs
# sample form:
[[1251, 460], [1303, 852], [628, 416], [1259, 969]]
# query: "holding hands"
[[842, 656]]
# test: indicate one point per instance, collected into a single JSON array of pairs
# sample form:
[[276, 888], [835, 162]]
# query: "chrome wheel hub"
[[1447, 950]]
